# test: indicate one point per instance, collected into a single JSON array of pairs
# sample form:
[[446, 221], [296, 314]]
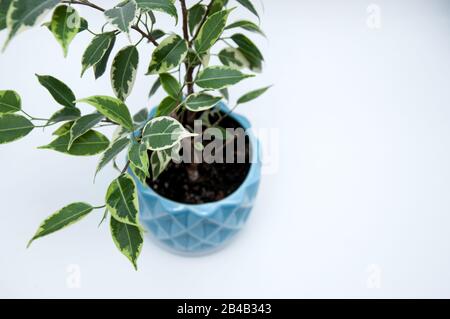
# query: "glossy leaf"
[[65, 25], [62, 218], [218, 77], [138, 156], [58, 89], [14, 127], [250, 51], [122, 200], [250, 96], [159, 162], [10, 102], [167, 106], [248, 4], [122, 15], [141, 176], [128, 239], [4, 6], [168, 55], [195, 16], [141, 116], [163, 132], [111, 152], [154, 87], [211, 31], [100, 67], [112, 108], [201, 102], [123, 71], [246, 25], [65, 114], [63, 129], [84, 124], [170, 85], [96, 50], [91, 143], [233, 58], [166, 6]]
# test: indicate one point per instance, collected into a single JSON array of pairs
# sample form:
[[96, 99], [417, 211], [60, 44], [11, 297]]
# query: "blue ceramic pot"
[[192, 230]]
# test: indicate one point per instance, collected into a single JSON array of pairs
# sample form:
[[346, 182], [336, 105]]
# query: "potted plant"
[[180, 182]]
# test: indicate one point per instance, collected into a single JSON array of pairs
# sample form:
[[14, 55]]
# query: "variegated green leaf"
[[249, 6], [168, 55], [122, 15], [141, 116], [128, 239], [201, 102], [65, 114], [163, 132], [159, 162], [154, 87], [10, 102], [91, 143], [100, 67], [58, 89], [250, 51], [140, 175], [14, 127], [170, 85], [166, 6], [4, 6], [111, 152], [62, 218], [219, 77], [112, 108], [195, 16], [246, 25], [96, 50], [24, 14], [65, 25], [250, 96], [138, 156], [211, 31], [123, 71], [122, 200], [84, 124], [233, 58], [157, 34], [63, 129], [167, 106], [217, 5], [225, 94]]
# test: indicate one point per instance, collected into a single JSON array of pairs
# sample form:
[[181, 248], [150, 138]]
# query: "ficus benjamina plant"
[[182, 65]]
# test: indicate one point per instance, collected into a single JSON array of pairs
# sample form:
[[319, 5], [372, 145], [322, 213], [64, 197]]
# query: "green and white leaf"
[[4, 6], [122, 15], [58, 89], [84, 124], [63, 129], [195, 16], [10, 102], [219, 77], [65, 114], [141, 176], [111, 152], [249, 6], [246, 25], [165, 6], [167, 106], [233, 58], [163, 132], [122, 200], [128, 239], [217, 5], [91, 143], [168, 55], [100, 67], [123, 71], [157, 34], [24, 14], [159, 162], [250, 96], [112, 108], [96, 50], [154, 87], [138, 156], [62, 218], [170, 85], [201, 102], [250, 51], [211, 31], [65, 25], [141, 116], [14, 127]]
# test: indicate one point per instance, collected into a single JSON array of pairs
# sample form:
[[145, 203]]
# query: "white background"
[[359, 206]]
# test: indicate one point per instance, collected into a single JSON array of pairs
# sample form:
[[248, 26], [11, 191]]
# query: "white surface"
[[363, 185]]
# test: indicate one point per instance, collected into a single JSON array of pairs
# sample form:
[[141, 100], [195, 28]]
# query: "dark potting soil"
[[202, 182]]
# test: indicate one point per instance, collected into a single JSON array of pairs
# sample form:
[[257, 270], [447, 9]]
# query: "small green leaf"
[[122, 15], [157, 34], [62, 218], [217, 5], [14, 127], [112, 108], [159, 162], [141, 176], [141, 116], [58, 89], [91, 143], [201, 102], [84, 124], [111, 152], [65, 114], [219, 77], [233, 58], [128, 239], [65, 25], [170, 85], [195, 16], [167, 106], [10, 102], [166, 6], [4, 6], [168, 55], [63, 129], [248, 4], [252, 95], [23, 14], [84, 25], [155, 87], [100, 67], [163, 132], [225, 94], [96, 50], [250, 51], [123, 71], [246, 25], [138, 156], [122, 200], [211, 31]]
